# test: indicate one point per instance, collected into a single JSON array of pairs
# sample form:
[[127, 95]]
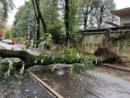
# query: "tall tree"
[[5, 7], [50, 11], [24, 22], [36, 6], [103, 14], [87, 6], [70, 12], [66, 19]]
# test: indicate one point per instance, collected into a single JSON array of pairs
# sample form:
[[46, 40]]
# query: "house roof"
[[121, 12], [103, 31]]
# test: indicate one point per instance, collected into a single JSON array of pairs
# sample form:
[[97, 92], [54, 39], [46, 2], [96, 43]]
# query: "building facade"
[[124, 15]]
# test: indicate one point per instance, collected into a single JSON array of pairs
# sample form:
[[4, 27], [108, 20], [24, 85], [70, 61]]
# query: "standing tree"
[[70, 19], [5, 7], [36, 6], [103, 14], [50, 12], [24, 22], [87, 6], [66, 19]]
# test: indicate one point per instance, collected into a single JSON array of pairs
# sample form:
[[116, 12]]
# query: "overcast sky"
[[119, 5]]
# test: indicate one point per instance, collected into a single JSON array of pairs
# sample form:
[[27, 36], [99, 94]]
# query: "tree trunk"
[[85, 22], [101, 17], [40, 15], [38, 29], [67, 23], [29, 59], [38, 32], [38, 22]]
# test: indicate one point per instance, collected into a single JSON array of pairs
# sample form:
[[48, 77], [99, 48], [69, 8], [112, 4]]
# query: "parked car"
[[9, 42], [4, 40]]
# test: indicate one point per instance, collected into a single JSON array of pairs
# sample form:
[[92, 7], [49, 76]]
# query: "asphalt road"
[[21, 88], [98, 83], [18, 47]]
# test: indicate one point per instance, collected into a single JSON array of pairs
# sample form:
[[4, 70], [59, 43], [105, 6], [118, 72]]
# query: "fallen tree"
[[27, 58], [67, 56], [31, 60], [107, 55]]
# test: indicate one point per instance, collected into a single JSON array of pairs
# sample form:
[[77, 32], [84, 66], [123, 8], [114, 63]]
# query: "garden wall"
[[122, 46]]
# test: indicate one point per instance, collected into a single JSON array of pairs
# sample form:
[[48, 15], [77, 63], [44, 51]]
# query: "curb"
[[44, 85], [115, 67]]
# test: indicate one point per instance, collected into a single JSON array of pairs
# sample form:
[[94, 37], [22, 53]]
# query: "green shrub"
[[7, 68], [56, 32], [7, 34], [71, 56]]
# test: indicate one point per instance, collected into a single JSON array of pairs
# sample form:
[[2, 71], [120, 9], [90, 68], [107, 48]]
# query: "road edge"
[[115, 67], [44, 85]]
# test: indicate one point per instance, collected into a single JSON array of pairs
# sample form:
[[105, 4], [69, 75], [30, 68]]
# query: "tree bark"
[[40, 15], [85, 22], [67, 23], [38, 22], [29, 59], [86, 13], [36, 6]]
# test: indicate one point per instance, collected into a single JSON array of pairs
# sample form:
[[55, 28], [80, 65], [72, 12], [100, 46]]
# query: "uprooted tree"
[[27, 58], [67, 56]]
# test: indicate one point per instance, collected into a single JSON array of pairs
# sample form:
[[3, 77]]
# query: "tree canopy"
[[69, 16], [24, 22]]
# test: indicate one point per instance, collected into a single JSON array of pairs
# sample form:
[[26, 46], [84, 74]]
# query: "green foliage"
[[71, 56], [49, 9], [102, 13], [7, 68], [73, 21], [7, 34], [24, 22], [86, 63], [45, 41], [7, 5], [56, 32]]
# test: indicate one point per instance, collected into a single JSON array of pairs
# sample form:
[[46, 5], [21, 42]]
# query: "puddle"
[[82, 86], [64, 83]]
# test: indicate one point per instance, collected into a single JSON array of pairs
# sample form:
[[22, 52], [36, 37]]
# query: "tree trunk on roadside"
[[67, 23], [37, 22], [40, 15], [38, 32]]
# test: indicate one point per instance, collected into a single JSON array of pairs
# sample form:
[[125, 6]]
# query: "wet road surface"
[[96, 83], [18, 47], [22, 88]]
